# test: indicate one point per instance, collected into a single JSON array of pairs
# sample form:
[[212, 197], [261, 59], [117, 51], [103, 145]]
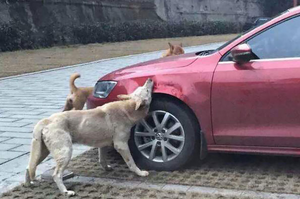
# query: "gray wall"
[[35, 13], [209, 10], [40, 13]]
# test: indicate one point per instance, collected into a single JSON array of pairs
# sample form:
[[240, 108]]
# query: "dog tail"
[[38, 151], [73, 77]]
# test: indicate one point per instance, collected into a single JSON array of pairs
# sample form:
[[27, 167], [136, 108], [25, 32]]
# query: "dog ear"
[[180, 44], [171, 46], [123, 97], [138, 104]]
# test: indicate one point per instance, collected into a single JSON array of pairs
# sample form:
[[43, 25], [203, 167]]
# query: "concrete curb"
[[183, 188]]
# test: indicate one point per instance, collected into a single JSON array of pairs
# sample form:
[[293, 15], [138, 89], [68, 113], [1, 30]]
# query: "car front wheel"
[[166, 139]]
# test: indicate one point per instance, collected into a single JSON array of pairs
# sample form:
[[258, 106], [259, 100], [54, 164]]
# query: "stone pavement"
[[25, 99]]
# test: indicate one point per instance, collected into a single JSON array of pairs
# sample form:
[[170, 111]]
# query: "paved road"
[[25, 99]]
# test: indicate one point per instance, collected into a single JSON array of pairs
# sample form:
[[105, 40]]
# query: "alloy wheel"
[[160, 136]]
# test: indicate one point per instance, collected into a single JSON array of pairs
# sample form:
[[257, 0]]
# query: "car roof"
[[295, 9]]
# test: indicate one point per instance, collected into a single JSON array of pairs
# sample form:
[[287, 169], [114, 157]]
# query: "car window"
[[280, 41], [224, 45]]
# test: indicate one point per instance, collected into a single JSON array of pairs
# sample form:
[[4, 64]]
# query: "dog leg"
[[37, 154], [59, 144], [62, 159], [57, 177], [124, 151], [102, 158]]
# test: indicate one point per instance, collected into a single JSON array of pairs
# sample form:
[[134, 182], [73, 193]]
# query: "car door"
[[258, 103]]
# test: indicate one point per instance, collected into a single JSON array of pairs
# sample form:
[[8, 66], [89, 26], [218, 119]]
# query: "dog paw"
[[108, 168], [143, 173], [69, 193], [29, 184]]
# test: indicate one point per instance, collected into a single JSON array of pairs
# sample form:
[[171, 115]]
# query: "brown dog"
[[173, 50], [78, 96]]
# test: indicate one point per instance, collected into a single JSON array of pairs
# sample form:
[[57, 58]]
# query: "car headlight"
[[103, 88]]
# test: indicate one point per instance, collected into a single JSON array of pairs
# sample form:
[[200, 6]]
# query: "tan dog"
[[173, 50], [103, 126], [78, 96]]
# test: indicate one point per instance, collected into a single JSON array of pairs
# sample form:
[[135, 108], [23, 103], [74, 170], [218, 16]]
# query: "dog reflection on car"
[[108, 125]]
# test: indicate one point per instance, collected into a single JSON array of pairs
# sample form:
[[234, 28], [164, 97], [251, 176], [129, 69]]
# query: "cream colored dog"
[[103, 126]]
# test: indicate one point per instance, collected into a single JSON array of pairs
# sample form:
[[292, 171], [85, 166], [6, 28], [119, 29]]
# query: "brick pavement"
[[25, 99]]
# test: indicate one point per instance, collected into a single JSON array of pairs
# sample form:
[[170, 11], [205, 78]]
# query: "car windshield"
[[224, 45], [228, 42]]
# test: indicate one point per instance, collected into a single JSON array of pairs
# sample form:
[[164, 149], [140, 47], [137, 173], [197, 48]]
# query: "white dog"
[[103, 126]]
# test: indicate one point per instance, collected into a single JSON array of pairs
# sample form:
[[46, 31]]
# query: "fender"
[[174, 90]]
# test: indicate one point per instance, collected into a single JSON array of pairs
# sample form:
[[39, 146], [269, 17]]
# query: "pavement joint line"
[[94, 62], [184, 188], [15, 147], [16, 119], [25, 125], [25, 153], [5, 139], [6, 161], [15, 132]]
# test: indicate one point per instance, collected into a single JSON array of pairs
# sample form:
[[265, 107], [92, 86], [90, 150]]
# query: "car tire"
[[170, 114]]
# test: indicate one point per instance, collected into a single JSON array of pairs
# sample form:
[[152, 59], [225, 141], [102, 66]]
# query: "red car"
[[243, 97]]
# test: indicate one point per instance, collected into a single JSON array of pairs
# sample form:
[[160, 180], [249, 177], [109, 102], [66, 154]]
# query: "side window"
[[280, 41], [227, 57]]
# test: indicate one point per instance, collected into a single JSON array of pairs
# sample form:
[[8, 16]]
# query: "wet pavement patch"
[[242, 172]]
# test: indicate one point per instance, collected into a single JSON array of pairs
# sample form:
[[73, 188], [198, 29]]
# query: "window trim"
[[264, 60]]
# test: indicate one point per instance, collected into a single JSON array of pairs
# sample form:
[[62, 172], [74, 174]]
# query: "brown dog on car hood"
[[173, 50]]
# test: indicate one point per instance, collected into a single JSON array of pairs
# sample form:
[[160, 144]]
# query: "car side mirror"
[[242, 53]]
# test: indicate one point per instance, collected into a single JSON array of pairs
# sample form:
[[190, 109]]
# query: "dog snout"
[[149, 80], [149, 84]]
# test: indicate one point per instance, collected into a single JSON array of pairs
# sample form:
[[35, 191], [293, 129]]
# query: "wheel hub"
[[159, 136]]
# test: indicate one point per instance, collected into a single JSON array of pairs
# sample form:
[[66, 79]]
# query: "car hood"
[[152, 66]]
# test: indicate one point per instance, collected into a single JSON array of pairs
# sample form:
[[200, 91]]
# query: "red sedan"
[[242, 97]]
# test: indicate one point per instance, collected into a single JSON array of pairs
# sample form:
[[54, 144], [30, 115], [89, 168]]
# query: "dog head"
[[142, 95], [174, 50]]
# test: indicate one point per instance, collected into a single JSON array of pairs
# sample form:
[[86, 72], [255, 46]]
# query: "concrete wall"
[[209, 10], [36, 13]]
